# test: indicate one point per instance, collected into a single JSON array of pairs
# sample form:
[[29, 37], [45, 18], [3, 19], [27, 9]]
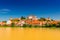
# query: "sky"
[[39, 8]]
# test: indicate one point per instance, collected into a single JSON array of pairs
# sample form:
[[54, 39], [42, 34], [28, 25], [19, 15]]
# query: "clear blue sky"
[[40, 8]]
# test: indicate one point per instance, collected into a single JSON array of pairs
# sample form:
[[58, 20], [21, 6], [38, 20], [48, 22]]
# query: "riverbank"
[[29, 27]]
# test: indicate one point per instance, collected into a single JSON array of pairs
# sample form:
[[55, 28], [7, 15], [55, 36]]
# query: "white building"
[[8, 22]]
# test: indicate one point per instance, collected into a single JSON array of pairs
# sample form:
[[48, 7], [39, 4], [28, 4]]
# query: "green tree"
[[29, 26], [12, 24], [4, 21], [58, 25], [24, 25], [42, 19], [22, 17]]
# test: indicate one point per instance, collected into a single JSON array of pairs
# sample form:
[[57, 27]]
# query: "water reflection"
[[29, 34]]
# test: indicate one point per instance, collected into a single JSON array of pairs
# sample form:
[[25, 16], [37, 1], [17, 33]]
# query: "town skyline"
[[30, 21]]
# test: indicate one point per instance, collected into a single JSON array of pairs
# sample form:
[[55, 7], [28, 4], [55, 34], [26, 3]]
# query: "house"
[[13, 20], [2, 23], [21, 23], [8, 22], [32, 22], [42, 23]]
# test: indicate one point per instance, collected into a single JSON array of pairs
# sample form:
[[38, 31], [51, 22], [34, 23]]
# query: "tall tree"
[[42, 19], [22, 17]]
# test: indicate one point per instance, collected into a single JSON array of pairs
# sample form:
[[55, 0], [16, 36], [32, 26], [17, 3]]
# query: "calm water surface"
[[29, 34]]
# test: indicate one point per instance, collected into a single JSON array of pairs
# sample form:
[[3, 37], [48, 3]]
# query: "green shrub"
[[5, 25], [29, 26], [36, 26], [50, 25], [24, 25], [58, 26], [12, 24]]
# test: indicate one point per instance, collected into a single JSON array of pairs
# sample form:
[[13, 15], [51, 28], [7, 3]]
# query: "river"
[[29, 34]]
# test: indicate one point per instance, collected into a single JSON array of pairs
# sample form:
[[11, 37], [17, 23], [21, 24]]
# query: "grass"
[[24, 26], [30, 26]]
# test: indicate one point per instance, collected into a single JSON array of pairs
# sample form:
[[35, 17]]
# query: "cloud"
[[4, 10]]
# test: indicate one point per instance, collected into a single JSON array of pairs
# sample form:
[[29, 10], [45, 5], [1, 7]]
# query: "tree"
[[24, 25], [42, 19], [12, 24], [58, 25], [22, 17], [4, 21], [29, 26], [52, 20]]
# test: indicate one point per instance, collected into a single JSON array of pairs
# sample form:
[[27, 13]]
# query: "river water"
[[29, 34]]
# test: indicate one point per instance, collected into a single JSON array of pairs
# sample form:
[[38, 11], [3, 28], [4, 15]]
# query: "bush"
[[29, 26], [58, 25], [46, 25], [50, 25], [12, 24], [53, 25], [24, 25], [5, 25], [36, 26]]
